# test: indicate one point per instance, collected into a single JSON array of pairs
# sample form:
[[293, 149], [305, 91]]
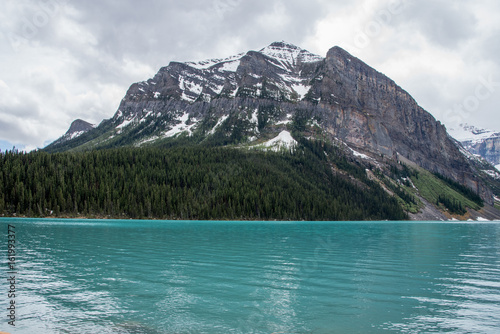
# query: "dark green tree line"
[[191, 182]]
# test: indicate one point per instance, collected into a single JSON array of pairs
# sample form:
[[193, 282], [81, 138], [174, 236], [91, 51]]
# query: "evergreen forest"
[[193, 183]]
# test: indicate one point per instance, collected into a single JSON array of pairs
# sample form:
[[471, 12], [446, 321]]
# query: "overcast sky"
[[65, 59]]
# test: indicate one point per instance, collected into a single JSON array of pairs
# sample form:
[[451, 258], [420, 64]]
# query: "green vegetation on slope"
[[192, 182], [466, 191], [440, 191], [400, 184]]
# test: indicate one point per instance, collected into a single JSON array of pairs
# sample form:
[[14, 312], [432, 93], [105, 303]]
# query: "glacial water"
[[102, 276]]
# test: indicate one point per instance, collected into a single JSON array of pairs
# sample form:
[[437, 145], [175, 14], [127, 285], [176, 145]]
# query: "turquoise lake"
[[123, 276]]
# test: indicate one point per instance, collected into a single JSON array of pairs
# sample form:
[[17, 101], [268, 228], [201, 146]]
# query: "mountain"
[[78, 127], [272, 98], [481, 142]]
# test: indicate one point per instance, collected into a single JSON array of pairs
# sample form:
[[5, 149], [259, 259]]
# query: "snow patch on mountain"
[[255, 120], [283, 141], [288, 120], [219, 123], [146, 114], [288, 55], [360, 155], [205, 64], [126, 122], [75, 134], [181, 127], [230, 66], [494, 174], [77, 128], [147, 140], [497, 167], [194, 89], [471, 156], [301, 89]]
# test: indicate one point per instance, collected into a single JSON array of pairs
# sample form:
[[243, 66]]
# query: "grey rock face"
[[368, 110], [488, 148], [79, 126]]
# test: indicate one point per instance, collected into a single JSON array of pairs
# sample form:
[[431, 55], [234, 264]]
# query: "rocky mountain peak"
[[337, 51], [79, 126], [289, 53]]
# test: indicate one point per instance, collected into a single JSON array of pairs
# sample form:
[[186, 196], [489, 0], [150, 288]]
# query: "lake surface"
[[93, 276]]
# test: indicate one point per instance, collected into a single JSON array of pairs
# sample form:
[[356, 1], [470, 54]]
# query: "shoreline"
[[450, 220]]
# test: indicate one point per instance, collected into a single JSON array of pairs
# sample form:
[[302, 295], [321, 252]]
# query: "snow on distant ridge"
[[470, 133], [470, 137]]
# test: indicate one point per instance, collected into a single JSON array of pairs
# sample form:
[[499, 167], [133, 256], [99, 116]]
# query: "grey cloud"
[[14, 132], [444, 22], [30, 22], [157, 32], [491, 48], [12, 119], [27, 109]]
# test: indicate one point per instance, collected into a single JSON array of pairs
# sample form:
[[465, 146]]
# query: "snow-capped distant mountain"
[[481, 142], [472, 134]]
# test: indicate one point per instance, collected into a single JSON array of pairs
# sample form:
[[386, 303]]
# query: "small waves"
[[177, 277]]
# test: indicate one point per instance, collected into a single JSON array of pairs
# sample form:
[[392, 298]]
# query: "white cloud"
[[276, 19]]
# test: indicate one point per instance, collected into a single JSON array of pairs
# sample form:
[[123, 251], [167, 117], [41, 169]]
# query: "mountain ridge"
[[251, 98], [478, 141]]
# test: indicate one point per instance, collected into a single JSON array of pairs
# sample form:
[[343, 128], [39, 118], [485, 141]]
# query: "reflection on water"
[[235, 277]]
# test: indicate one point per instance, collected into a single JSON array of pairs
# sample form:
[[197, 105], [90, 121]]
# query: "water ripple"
[[251, 277]]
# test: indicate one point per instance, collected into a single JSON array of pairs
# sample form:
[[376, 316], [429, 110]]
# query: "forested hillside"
[[193, 182]]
